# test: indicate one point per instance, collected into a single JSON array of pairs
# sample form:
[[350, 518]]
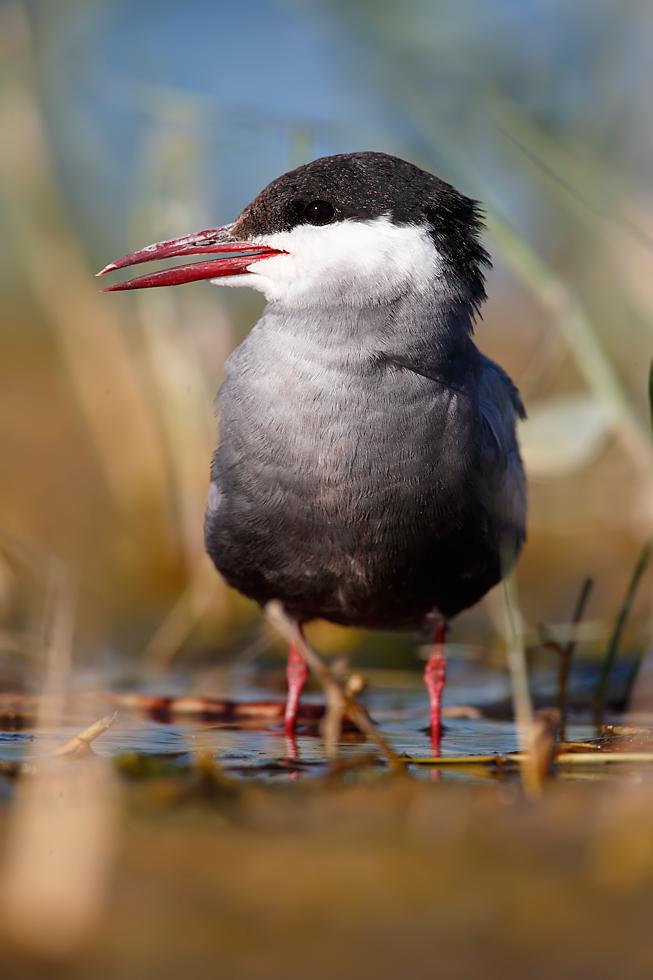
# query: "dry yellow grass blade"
[[453, 761], [62, 823], [594, 758], [205, 591], [80, 745], [602, 758], [58, 855]]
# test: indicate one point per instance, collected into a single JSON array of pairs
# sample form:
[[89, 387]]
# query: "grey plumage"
[[368, 470]]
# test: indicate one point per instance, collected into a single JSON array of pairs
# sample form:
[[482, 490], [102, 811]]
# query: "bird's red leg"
[[435, 676], [297, 674]]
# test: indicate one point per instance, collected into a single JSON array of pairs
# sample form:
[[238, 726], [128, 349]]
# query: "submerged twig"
[[81, 744], [540, 754], [339, 700], [78, 747], [617, 632]]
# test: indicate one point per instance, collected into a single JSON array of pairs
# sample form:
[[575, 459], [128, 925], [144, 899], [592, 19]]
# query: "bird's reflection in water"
[[292, 754]]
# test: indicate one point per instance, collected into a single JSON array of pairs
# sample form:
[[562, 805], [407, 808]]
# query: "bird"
[[368, 469]]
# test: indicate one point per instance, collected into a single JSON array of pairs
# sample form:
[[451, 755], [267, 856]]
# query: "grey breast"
[[341, 482]]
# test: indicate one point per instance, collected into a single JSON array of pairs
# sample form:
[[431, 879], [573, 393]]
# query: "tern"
[[368, 469]]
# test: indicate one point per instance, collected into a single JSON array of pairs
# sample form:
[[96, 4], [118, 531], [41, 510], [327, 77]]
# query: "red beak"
[[211, 241]]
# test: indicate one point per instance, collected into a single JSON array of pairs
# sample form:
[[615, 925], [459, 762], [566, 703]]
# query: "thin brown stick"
[[338, 699]]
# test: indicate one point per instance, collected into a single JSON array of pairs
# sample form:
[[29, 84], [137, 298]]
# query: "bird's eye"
[[319, 212]]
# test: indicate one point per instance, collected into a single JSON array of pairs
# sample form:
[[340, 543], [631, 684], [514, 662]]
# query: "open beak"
[[238, 256]]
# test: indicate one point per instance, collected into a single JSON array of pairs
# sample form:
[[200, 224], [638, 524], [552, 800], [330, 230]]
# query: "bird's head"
[[354, 229]]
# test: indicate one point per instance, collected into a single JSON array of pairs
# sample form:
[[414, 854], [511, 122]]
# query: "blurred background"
[[123, 123]]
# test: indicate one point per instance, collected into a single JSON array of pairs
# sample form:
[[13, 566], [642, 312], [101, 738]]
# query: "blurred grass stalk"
[[536, 731], [140, 387], [555, 296], [617, 634], [513, 633], [88, 332], [170, 171], [408, 82], [59, 846], [582, 339], [168, 196]]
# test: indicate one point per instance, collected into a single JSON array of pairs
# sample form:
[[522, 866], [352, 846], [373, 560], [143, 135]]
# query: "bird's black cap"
[[366, 185]]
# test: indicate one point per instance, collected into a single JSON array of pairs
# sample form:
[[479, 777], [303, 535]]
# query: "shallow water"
[[260, 750]]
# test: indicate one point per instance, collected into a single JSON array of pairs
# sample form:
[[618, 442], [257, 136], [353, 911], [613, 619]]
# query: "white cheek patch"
[[351, 262]]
